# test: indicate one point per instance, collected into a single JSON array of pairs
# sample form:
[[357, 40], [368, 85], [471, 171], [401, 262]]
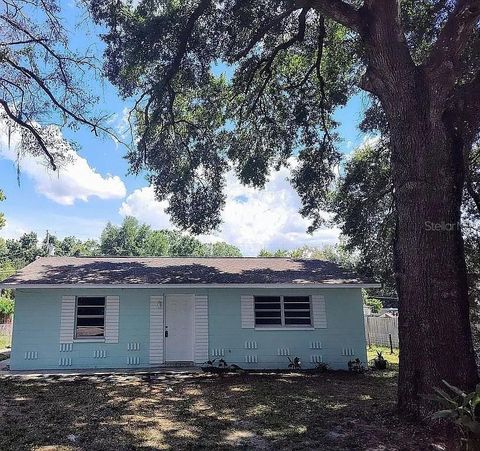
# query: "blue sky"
[[97, 189]]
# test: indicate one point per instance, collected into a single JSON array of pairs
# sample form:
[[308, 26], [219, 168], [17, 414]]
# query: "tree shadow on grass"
[[252, 411]]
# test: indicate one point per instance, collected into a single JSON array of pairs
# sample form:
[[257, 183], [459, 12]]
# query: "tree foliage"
[[375, 304], [364, 208], [128, 239], [132, 238], [337, 253], [6, 268], [221, 249], [7, 306], [43, 83], [71, 246], [2, 216], [200, 121], [24, 250], [292, 64]]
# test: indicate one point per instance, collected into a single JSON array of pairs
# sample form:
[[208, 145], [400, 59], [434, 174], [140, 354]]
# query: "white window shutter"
[[156, 330], [248, 313], [67, 319], [201, 329], [319, 312], [112, 314]]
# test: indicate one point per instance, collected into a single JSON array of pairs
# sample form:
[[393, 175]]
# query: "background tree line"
[[131, 238]]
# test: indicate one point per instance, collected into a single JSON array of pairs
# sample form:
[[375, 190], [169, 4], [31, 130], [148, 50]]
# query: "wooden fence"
[[5, 334], [379, 329]]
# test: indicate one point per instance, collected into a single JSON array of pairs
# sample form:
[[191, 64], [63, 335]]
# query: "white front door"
[[179, 328]]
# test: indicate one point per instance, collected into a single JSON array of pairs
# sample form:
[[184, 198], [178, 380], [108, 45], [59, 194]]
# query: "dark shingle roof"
[[180, 270]]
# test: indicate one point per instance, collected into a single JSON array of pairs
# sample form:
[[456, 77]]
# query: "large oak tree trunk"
[[434, 326], [428, 177]]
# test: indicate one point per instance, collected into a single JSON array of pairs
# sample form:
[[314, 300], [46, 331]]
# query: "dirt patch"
[[330, 411]]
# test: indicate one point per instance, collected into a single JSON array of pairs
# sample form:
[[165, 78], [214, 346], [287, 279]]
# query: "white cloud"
[[14, 229], [74, 180], [122, 124], [142, 204], [252, 219], [57, 224]]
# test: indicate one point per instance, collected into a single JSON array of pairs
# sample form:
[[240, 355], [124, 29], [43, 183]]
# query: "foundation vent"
[[133, 360], [251, 359], [31, 355], [133, 346], [65, 361], [316, 359], [251, 345]]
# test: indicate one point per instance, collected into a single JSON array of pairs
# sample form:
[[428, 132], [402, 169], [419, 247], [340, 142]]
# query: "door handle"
[[166, 334]]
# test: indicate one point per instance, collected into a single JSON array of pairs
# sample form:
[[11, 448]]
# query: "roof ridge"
[[179, 256]]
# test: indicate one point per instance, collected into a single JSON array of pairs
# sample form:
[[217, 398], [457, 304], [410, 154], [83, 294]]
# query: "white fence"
[[379, 329]]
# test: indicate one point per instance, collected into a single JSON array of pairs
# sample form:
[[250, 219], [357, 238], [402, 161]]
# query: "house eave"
[[186, 286]]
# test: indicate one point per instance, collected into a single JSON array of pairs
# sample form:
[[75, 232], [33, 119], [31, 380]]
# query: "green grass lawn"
[[5, 341], [392, 358], [329, 411]]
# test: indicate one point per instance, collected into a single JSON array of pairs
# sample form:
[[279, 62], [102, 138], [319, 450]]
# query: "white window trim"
[[289, 327], [89, 339], [284, 326]]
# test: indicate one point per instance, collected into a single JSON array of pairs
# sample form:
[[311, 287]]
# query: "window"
[[283, 311], [90, 318], [297, 310], [268, 311]]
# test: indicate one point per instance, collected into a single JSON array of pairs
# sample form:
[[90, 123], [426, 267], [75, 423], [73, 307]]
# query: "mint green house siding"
[[43, 329], [268, 347], [36, 332]]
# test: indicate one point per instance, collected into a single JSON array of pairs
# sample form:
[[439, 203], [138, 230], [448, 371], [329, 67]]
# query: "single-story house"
[[99, 312]]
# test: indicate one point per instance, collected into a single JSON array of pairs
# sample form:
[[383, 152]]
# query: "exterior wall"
[[36, 331], [345, 331]]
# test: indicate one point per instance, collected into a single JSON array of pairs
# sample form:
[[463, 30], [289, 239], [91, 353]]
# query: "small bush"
[[356, 366], [294, 364], [321, 367], [6, 306], [375, 304], [379, 362]]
